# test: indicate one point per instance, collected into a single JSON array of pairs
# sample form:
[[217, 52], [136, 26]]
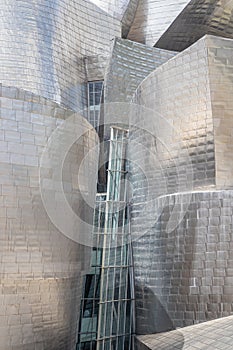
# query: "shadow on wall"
[[152, 312]]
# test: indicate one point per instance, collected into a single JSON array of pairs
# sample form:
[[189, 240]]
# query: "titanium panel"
[[183, 263], [197, 19], [152, 19], [220, 54], [115, 8], [41, 269], [184, 276], [129, 64], [128, 17], [43, 46], [215, 334]]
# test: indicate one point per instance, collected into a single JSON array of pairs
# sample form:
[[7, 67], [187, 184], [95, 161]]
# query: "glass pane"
[[99, 86], [91, 99], [97, 98]]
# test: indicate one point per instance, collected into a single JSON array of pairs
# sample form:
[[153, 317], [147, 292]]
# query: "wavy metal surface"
[[183, 274], [44, 43], [41, 269], [152, 19], [197, 19]]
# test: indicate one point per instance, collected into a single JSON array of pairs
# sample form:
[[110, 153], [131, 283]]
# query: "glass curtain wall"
[[116, 319], [88, 324], [107, 308]]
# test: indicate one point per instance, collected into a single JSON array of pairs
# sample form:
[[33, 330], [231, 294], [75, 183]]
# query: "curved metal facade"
[[197, 19], [41, 269], [180, 151], [181, 139], [175, 25], [213, 334], [49, 47], [153, 18]]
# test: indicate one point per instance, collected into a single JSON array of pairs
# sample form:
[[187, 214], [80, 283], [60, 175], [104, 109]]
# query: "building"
[[151, 251]]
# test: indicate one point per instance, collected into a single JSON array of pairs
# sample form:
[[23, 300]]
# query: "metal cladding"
[[49, 47], [116, 8], [41, 268], [197, 19], [129, 64], [216, 334], [123, 10], [54, 55], [175, 25], [183, 246], [153, 18]]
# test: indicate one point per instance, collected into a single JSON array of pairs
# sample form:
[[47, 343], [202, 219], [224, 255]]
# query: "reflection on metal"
[[130, 63], [198, 18], [152, 19], [166, 263], [44, 45], [107, 309]]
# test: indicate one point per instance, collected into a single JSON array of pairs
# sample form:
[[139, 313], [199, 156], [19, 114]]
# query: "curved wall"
[[185, 276], [43, 45], [152, 19], [41, 269], [197, 19], [181, 178]]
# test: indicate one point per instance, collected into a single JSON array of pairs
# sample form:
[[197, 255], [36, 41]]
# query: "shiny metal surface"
[[153, 18], [175, 25], [128, 17], [216, 335], [128, 65], [48, 47], [41, 269], [183, 265], [115, 8], [197, 19]]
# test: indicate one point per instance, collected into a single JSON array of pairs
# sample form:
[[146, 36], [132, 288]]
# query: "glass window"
[[95, 90]]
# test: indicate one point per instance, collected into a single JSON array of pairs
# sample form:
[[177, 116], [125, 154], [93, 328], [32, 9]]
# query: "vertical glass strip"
[[115, 326], [108, 297]]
